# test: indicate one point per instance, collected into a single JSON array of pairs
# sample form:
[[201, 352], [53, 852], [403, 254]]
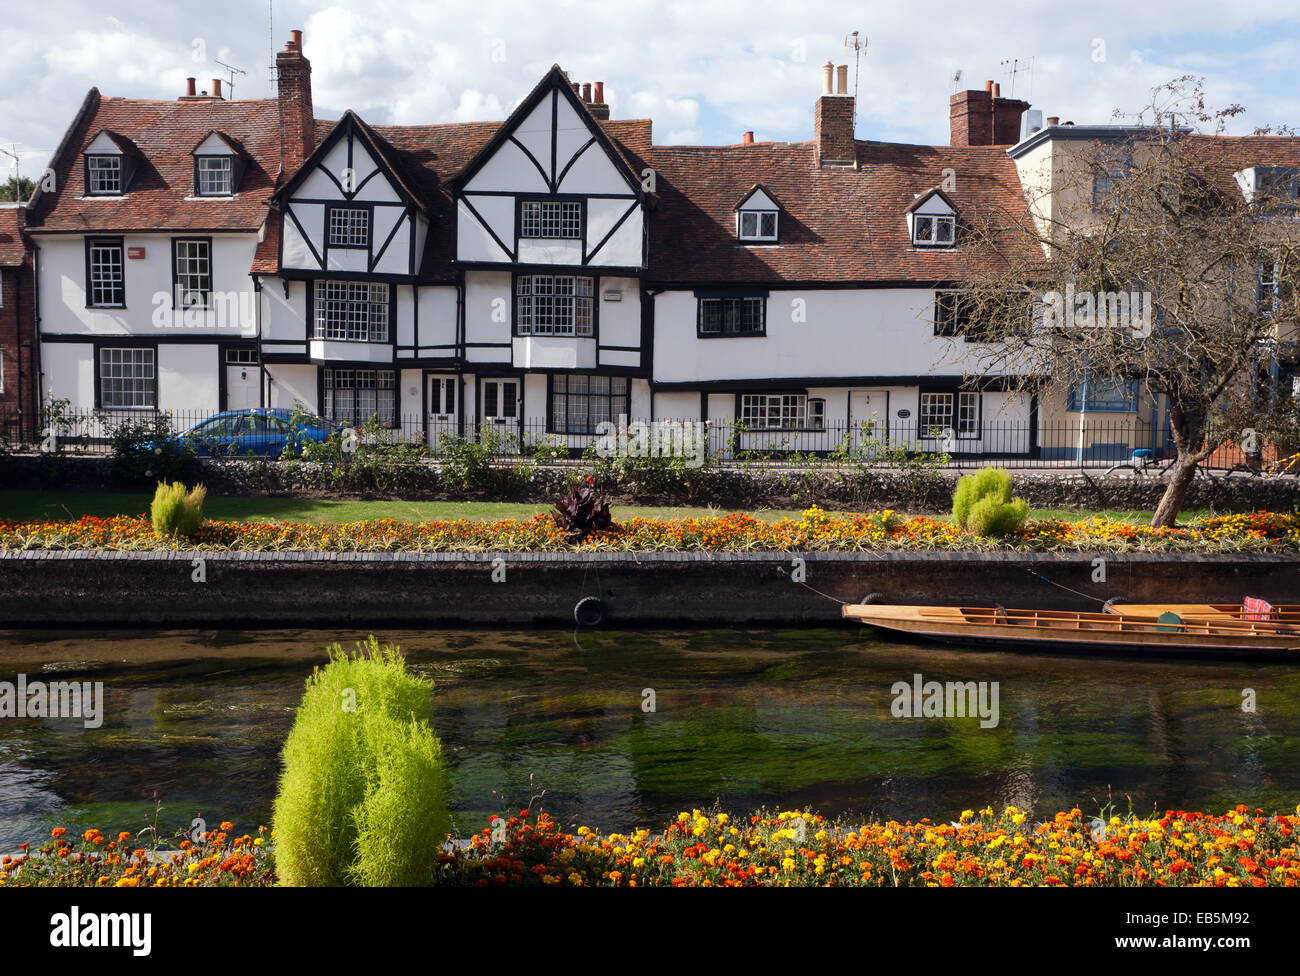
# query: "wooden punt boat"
[[1071, 630], [1283, 613]]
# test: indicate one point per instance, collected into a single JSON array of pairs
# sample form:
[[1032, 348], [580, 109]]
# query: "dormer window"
[[932, 220], [933, 230], [110, 162], [215, 176], [1274, 186], [757, 225], [219, 163], [757, 216], [104, 175]]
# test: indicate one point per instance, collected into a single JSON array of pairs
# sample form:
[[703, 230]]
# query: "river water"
[[743, 718]]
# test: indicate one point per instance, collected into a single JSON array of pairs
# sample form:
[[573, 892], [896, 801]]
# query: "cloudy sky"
[[704, 71]]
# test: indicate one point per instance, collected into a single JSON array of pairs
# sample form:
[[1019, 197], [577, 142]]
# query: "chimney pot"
[[598, 93], [216, 87], [586, 91], [1053, 120], [842, 79], [828, 75], [189, 88], [748, 138], [997, 89], [988, 86], [293, 93]]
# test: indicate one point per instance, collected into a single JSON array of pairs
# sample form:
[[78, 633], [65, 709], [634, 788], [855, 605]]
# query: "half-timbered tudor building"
[[541, 275]]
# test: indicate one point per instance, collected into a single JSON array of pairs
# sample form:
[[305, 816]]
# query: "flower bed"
[[1242, 848], [223, 859], [814, 530]]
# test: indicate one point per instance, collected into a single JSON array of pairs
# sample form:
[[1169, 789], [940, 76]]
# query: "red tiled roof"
[[12, 248], [837, 224], [160, 195]]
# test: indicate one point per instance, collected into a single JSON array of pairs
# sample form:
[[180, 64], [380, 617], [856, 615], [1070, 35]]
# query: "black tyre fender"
[[1105, 607], [874, 597], [589, 612]]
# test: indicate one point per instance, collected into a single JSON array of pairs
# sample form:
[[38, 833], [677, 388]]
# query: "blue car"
[[261, 433]]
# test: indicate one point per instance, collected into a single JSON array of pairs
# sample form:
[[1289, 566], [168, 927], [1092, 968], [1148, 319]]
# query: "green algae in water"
[[742, 717]]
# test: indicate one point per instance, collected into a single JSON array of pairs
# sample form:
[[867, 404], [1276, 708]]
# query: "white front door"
[[241, 385], [441, 404], [502, 402], [868, 418]]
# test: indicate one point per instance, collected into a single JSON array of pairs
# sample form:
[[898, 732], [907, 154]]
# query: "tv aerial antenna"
[[232, 71], [1016, 66], [956, 79], [857, 43], [18, 170]]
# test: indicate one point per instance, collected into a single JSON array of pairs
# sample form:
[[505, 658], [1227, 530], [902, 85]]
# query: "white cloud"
[[704, 71]]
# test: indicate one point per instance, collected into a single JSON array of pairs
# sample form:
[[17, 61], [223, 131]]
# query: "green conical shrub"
[[982, 504], [362, 797]]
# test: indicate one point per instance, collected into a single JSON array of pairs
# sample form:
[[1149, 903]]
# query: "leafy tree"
[[15, 190], [1154, 213]]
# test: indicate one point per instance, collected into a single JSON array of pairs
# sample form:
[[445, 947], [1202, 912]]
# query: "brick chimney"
[[984, 118], [297, 125], [833, 121], [597, 106]]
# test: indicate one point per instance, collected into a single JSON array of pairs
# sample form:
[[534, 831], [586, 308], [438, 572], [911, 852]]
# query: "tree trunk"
[[1171, 503]]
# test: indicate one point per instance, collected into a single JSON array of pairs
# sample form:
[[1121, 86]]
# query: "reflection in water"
[[743, 718]]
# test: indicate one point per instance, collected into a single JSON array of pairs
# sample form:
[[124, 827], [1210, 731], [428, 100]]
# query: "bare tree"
[[1164, 255]]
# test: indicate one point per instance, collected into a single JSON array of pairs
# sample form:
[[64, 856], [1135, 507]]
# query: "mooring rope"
[[1086, 596], [834, 599]]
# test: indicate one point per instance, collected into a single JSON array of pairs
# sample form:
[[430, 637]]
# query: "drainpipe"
[[36, 345], [460, 354], [257, 319], [1083, 414]]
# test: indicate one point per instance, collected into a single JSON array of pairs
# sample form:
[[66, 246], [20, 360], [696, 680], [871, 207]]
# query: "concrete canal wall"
[[186, 589]]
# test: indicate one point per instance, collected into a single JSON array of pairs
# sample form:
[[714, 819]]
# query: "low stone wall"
[[743, 487], [171, 589]]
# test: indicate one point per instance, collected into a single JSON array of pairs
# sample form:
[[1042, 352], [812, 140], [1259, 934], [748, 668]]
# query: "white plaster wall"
[[846, 332], [189, 379], [283, 318], [488, 304], [437, 320], [68, 373], [473, 242], [290, 383], [148, 289]]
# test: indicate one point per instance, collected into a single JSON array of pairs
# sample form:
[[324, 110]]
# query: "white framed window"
[[241, 357], [553, 305], [193, 284], [1268, 289], [354, 396], [103, 174], [352, 311], [782, 411], [580, 403], [756, 225], [933, 230], [106, 285], [959, 412], [349, 227], [550, 218], [127, 378], [215, 176]]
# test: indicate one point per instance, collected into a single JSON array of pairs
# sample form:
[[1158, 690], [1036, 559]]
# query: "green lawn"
[[32, 505]]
